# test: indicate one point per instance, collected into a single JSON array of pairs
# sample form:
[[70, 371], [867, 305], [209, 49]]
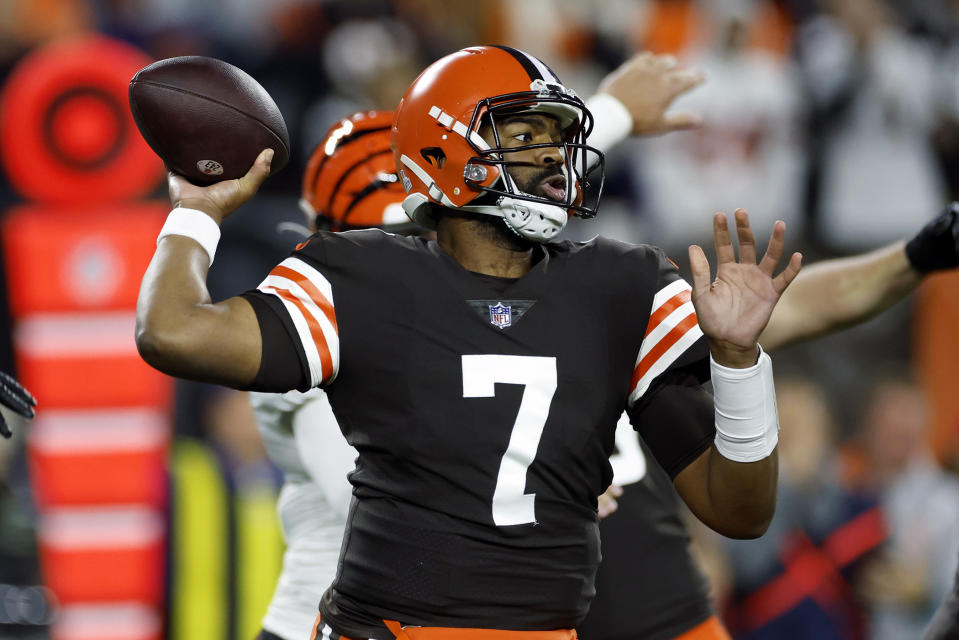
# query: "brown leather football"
[[206, 119]]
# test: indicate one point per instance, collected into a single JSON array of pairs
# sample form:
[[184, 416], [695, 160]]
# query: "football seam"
[[219, 102]]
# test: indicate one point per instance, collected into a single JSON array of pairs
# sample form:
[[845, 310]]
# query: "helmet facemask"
[[535, 217]]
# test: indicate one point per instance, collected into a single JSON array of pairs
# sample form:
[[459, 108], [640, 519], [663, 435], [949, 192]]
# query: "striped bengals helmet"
[[350, 180], [442, 159]]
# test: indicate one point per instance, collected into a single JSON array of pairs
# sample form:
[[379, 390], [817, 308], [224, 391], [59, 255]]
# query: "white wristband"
[[747, 423], [612, 123], [194, 224]]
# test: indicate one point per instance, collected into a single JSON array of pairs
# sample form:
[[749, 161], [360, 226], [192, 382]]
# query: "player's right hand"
[[220, 199], [14, 397]]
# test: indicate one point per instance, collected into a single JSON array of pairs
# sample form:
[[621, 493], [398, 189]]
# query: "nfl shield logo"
[[500, 315]]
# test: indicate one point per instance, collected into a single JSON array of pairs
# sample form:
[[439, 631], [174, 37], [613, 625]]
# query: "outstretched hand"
[[734, 308], [14, 397], [220, 199], [647, 85]]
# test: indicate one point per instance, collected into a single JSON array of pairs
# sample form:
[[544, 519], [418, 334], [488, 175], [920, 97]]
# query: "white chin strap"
[[532, 220], [535, 221]]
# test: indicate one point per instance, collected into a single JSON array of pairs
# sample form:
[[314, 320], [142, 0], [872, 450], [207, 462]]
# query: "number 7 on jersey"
[[511, 504]]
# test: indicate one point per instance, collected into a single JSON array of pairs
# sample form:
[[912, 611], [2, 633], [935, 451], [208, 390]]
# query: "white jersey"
[[302, 438]]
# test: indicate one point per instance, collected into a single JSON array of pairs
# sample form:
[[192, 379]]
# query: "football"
[[206, 119]]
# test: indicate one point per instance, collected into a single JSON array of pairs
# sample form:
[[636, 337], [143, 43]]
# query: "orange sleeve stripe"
[[315, 294], [667, 308], [326, 360], [661, 347]]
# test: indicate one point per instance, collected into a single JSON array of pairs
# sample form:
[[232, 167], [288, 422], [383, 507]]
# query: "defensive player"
[[474, 503], [350, 183]]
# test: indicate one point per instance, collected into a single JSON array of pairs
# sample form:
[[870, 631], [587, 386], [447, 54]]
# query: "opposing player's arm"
[[326, 454], [835, 294], [180, 331], [635, 100]]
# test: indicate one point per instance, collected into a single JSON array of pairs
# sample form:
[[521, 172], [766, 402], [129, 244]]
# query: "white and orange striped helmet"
[[442, 159]]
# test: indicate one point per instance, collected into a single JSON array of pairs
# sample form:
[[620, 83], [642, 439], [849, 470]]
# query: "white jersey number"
[[511, 503]]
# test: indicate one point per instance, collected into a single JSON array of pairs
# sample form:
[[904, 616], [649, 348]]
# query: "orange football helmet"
[[350, 181], [442, 159]]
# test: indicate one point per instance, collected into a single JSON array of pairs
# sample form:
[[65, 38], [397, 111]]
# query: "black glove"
[[936, 246], [14, 397]]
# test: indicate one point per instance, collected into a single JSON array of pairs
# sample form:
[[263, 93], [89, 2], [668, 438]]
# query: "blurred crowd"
[[840, 117]]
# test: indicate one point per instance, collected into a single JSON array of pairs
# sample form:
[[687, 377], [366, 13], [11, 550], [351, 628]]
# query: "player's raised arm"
[[636, 100], [835, 294], [732, 485], [179, 330]]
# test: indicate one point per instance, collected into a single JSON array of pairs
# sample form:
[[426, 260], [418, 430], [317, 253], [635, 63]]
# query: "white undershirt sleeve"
[[325, 453]]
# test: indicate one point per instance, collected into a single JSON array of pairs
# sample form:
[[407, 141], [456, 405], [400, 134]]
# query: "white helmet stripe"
[[544, 71], [456, 126], [435, 192]]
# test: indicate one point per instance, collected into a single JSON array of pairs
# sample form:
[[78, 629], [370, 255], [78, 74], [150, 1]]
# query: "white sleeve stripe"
[[668, 323], [667, 292], [315, 277], [316, 316], [664, 361], [330, 335], [306, 338]]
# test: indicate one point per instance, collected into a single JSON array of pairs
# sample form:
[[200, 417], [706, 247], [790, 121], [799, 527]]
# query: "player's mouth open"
[[554, 188]]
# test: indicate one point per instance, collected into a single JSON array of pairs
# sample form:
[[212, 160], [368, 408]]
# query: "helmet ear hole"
[[435, 156]]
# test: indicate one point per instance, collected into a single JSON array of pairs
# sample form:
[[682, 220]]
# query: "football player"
[[480, 376], [350, 182]]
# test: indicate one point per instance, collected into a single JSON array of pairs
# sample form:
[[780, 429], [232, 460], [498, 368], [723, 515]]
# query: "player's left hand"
[[734, 308], [14, 397], [647, 85]]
